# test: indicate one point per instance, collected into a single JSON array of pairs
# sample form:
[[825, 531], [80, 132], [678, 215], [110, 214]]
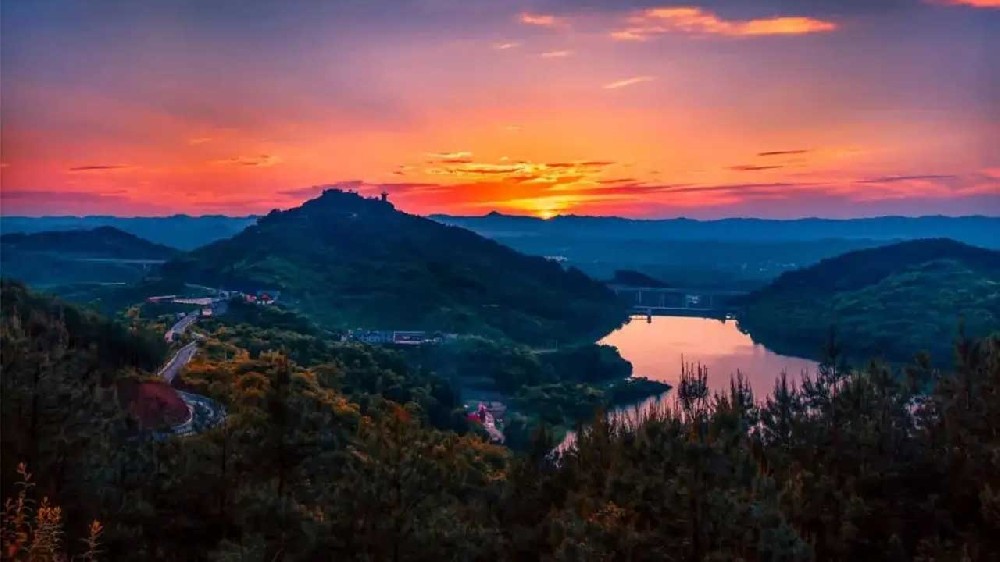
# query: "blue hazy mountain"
[[178, 231], [740, 253], [100, 255]]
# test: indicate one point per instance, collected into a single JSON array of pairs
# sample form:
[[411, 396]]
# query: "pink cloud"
[[697, 21]]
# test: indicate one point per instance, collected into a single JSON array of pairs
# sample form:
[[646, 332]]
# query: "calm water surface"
[[659, 346]]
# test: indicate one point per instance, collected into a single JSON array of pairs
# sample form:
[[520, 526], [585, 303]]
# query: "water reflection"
[[659, 346]]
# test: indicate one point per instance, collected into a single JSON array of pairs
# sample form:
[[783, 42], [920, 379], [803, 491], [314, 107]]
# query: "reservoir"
[[658, 346]]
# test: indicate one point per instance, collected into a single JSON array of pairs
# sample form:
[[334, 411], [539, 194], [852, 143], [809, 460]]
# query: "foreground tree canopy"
[[348, 455]]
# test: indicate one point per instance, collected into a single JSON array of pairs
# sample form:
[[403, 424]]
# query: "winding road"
[[178, 362], [204, 412], [180, 327]]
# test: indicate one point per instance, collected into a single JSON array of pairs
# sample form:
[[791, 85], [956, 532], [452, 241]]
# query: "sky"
[[699, 108]]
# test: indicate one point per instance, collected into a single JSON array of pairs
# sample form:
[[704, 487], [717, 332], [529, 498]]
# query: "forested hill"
[[100, 255], [891, 301], [101, 242], [177, 231], [348, 261]]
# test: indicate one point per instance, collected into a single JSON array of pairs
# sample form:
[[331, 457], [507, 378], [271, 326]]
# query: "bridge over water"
[[677, 300]]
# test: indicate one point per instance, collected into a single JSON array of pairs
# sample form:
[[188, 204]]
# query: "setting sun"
[[670, 110], [507, 280]]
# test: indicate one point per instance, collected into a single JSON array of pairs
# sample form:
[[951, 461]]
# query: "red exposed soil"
[[152, 403]]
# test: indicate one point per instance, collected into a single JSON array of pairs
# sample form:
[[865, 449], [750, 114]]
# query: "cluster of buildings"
[[205, 306], [213, 306], [490, 415], [396, 337], [264, 298]]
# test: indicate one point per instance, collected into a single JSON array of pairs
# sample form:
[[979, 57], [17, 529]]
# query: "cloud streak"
[[782, 152], [35, 202], [628, 82], [457, 157], [968, 3], [541, 20], [898, 179], [459, 166], [697, 21], [752, 168], [100, 168], [259, 161], [555, 54]]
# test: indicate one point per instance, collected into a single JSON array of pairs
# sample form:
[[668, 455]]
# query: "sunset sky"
[[703, 108]]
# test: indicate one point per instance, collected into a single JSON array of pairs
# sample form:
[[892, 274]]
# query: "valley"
[[328, 336]]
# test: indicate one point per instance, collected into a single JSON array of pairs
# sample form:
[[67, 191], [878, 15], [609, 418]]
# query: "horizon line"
[[496, 213]]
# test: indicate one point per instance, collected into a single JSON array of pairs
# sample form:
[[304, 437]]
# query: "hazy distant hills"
[[101, 242], [976, 230], [728, 253], [179, 231], [100, 255], [188, 232], [347, 261], [889, 301]]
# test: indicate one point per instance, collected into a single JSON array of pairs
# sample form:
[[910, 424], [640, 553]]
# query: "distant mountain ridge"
[[730, 254], [889, 301], [978, 230], [101, 255], [100, 242], [183, 232], [347, 262]]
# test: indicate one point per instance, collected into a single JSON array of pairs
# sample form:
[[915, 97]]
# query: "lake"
[[658, 346]]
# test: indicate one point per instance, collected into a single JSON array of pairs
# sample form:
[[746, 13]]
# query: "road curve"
[[180, 327], [178, 362]]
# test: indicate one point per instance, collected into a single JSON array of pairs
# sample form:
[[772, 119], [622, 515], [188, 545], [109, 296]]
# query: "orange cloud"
[[971, 3], [457, 157], [543, 20], [506, 46], [556, 175], [628, 82], [100, 168], [556, 54], [696, 21], [260, 161]]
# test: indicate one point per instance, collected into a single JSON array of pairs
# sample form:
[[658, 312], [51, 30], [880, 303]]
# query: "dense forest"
[[887, 302], [332, 457], [561, 387], [351, 262]]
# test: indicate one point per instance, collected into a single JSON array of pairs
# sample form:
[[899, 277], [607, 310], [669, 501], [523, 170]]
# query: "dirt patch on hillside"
[[154, 404]]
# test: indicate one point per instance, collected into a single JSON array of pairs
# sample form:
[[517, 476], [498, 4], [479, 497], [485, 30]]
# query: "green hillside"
[[100, 255], [890, 301], [347, 261]]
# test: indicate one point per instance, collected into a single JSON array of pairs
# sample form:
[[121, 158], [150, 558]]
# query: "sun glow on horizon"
[[542, 110]]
